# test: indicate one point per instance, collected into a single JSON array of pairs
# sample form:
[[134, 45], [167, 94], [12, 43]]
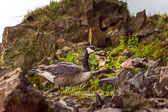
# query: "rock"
[[163, 73], [89, 10], [128, 87], [110, 110], [125, 75], [127, 53], [157, 110], [97, 37], [165, 43], [127, 63], [166, 27], [109, 81], [107, 99], [128, 101], [91, 109], [140, 20], [18, 95], [137, 80], [32, 40], [114, 36], [146, 31], [99, 101], [3, 71], [109, 21], [134, 62]]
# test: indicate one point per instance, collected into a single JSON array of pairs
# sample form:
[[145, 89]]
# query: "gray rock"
[[110, 110], [109, 81], [99, 101], [125, 75], [18, 95], [137, 80]]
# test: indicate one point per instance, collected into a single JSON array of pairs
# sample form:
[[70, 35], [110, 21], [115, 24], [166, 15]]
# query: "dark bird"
[[66, 73]]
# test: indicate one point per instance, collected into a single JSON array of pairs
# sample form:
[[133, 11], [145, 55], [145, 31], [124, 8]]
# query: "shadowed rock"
[[18, 95]]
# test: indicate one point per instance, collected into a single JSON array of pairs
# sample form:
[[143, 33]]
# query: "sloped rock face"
[[18, 95], [28, 43]]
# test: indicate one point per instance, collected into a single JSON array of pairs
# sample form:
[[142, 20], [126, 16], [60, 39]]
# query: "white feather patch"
[[48, 76], [90, 50]]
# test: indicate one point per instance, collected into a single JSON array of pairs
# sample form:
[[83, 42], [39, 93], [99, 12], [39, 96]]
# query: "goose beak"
[[33, 71], [98, 49]]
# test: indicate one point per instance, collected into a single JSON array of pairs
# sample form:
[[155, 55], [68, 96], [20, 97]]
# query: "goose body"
[[66, 73]]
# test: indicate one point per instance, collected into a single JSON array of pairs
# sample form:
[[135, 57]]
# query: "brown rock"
[[89, 10], [111, 21], [166, 27], [128, 101], [138, 62], [110, 110], [18, 95], [163, 73], [146, 31], [140, 20], [97, 37], [114, 36]]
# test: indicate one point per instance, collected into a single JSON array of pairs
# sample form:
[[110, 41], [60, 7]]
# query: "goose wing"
[[64, 68]]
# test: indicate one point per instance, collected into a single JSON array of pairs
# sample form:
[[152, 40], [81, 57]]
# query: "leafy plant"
[[122, 41], [133, 42], [71, 57], [161, 21]]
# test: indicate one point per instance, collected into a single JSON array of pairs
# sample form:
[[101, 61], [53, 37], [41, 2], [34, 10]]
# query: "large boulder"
[[140, 20], [18, 95]]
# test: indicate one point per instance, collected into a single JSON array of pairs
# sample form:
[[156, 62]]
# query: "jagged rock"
[[146, 31], [110, 110], [18, 95], [128, 101], [140, 20], [166, 27], [125, 75], [127, 63], [163, 73], [137, 80], [113, 36], [135, 62], [109, 81], [89, 11], [91, 109], [97, 37], [99, 101], [128, 87], [127, 53], [109, 21]]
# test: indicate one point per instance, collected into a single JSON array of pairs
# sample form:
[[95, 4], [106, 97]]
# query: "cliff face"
[[60, 24]]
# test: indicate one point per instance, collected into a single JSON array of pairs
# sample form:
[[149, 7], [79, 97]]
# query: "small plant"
[[51, 62], [122, 41], [161, 21], [94, 62], [71, 57], [133, 42]]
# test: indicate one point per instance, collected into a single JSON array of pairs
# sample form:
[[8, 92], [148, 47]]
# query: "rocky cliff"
[[135, 52], [60, 24]]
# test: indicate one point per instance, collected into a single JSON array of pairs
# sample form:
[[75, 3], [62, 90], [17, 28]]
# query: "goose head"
[[92, 49]]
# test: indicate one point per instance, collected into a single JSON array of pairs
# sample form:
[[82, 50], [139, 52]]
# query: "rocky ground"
[[135, 53]]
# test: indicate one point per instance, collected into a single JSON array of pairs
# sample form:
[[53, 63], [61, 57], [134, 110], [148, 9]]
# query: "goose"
[[66, 73]]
